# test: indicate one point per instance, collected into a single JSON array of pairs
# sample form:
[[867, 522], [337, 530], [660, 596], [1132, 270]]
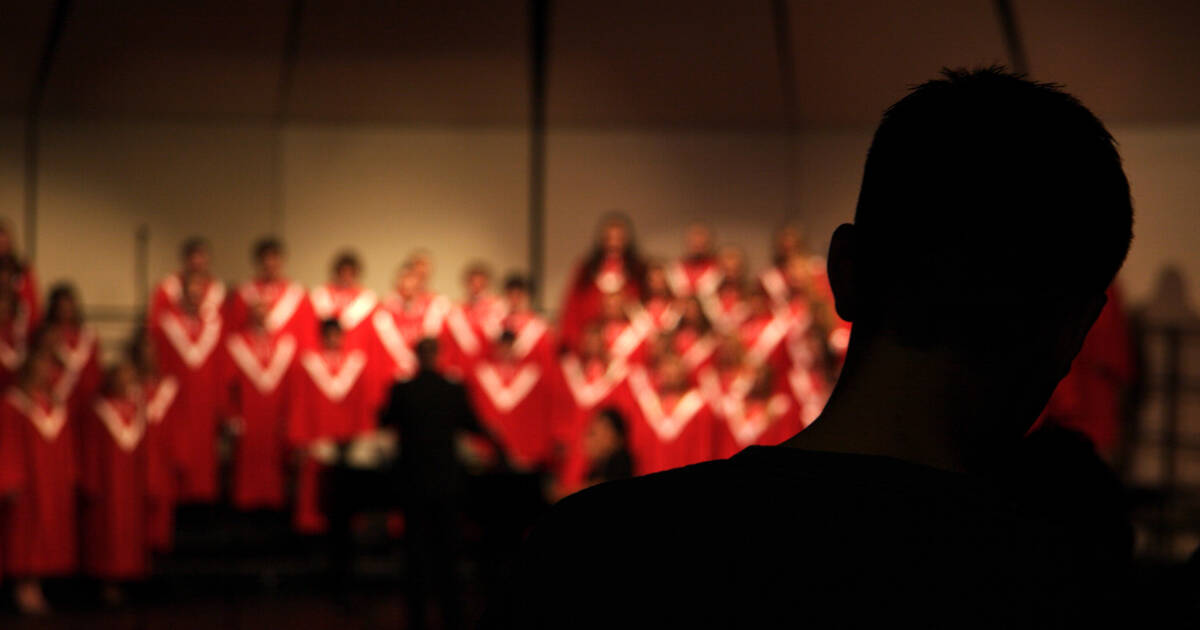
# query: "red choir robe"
[[695, 349], [667, 431], [725, 309], [580, 390], [188, 351], [168, 298], [256, 366], [27, 292], [1088, 399], [40, 536], [14, 337], [79, 352], [117, 487], [513, 401], [469, 332], [764, 338], [744, 421], [330, 398], [351, 307], [534, 341], [400, 324], [694, 276], [161, 416], [584, 297], [288, 309], [628, 340], [810, 393], [663, 312]]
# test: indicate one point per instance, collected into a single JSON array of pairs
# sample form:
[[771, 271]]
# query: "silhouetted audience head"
[[427, 353], [1006, 202]]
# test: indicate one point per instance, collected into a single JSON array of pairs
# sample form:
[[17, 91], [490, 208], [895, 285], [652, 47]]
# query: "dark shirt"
[[429, 411], [776, 536]]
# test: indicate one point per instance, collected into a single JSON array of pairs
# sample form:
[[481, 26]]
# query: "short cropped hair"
[[346, 258], [985, 187], [265, 246], [193, 245]]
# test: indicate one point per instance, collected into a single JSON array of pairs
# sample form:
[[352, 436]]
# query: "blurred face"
[[797, 272], [613, 306], [656, 281], [331, 339], [670, 373], [787, 240], [270, 265], [518, 299], [692, 313], [42, 369], [477, 283], [601, 439], [698, 241], [407, 283], [66, 310], [193, 292], [732, 262], [197, 261], [124, 380], [614, 238], [422, 266], [346, 275], [592, 343], [762, 382]]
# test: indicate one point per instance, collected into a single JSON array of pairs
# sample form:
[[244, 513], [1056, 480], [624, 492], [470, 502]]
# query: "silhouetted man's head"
[[993, 214], [427, 353]]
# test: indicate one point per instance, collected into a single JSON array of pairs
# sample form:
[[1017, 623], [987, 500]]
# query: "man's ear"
[[840, 267]]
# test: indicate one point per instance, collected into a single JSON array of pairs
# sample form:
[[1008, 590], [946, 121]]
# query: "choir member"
[[726, 309], [693, 340], [697, 273], [474, 323], [39, 468], [785, 243], [533, 338], [186, 341], [607, 448], [626, 328], [78, 348], [257, 362], [757, 414], [659, 303], [344, 299], [671, 423], [169, 294], [731, 262], [20, 273], [160, 392], [331, 402], [613, 266], [16, 326], [406, 316], [117, 484], [512, 399], [286, 307], [588, 380], [764, 333]]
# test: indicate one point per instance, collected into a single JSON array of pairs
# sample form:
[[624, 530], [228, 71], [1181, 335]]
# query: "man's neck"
[[921, 407]]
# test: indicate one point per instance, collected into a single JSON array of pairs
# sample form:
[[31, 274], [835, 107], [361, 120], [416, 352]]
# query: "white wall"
[[462, 193]]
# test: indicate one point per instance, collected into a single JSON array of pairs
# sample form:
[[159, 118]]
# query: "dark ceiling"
[[701, 63]]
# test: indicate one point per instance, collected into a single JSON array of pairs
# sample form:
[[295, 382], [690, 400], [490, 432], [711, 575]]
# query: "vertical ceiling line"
[[539, 36], [1018, 62], [283, 99], [33, 112], [786, 60]]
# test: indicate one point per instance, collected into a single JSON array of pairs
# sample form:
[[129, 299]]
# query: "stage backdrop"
[[461, 192]]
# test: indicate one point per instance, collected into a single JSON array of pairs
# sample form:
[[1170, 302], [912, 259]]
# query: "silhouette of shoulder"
[[776, 534]]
